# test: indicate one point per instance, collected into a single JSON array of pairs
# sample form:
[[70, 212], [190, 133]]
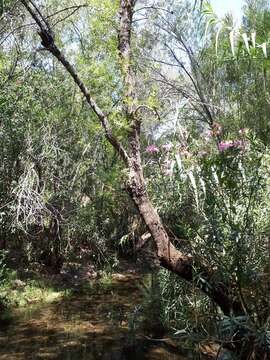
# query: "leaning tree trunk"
[[169, 256]]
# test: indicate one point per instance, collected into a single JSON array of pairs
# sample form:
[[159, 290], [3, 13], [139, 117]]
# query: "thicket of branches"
[[123, 119]]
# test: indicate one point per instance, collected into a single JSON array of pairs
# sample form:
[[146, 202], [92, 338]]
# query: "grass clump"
[[15, 292]]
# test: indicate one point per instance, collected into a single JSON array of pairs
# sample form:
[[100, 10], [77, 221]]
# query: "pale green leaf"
[[264, 49], [245, 38], [232, 41], [217, 37]]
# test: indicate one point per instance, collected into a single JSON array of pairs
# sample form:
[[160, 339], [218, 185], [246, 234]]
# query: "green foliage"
[[61, 183], [215, 201], [15, 292]]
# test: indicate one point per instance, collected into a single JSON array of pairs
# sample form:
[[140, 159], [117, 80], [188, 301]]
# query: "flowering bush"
[[229, 144], [213, 193]]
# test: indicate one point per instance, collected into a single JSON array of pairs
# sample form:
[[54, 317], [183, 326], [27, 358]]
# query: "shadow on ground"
[[92, 325]]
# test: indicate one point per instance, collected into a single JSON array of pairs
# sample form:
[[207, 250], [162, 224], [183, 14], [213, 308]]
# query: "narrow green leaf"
[[217, 37]]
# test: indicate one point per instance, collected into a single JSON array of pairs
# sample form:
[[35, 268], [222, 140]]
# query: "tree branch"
[[49, 44]]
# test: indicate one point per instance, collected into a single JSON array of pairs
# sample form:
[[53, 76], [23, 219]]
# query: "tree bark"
[[169, 256]]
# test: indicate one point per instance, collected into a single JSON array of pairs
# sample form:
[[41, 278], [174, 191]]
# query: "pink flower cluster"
[[167, 147], [152, 149], [229, 144]]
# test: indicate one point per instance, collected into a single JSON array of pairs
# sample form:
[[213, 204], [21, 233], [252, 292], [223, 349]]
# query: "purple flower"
[[238, 143], [167, 147], [224, 145], [152, 149]]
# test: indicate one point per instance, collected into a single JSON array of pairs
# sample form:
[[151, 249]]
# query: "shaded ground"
[[101, 322]]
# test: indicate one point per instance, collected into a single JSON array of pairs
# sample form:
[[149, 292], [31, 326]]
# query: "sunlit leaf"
[[245, 38], [217, 37], [253, 39], [232, 41], [264, 49]]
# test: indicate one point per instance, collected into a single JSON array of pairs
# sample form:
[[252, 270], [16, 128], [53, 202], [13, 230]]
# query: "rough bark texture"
[[170, 257]]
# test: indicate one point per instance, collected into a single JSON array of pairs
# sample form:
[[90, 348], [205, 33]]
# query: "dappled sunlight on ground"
[[89, 325]]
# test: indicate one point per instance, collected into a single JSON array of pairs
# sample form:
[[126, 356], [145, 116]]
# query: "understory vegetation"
[[138, 132]]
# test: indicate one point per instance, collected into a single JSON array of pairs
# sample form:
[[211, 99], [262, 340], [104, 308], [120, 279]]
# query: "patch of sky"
[[234, 7]]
